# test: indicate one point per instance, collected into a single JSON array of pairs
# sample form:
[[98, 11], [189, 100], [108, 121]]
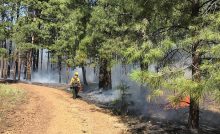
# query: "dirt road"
[[51, 111]]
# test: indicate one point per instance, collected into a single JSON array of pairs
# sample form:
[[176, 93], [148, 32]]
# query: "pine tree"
[[6, 28], [27, 33], [186, 28], [102, 32]]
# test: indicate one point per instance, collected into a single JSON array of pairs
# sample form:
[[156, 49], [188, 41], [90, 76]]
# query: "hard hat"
[[76, 74]]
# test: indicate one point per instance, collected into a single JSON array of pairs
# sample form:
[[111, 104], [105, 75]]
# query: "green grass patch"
[[10, 94]]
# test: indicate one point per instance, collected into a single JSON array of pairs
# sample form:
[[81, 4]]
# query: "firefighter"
[[75, 84]]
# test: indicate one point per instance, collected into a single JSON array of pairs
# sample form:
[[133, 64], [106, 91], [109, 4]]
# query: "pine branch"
[[164, 29], [203, 4]]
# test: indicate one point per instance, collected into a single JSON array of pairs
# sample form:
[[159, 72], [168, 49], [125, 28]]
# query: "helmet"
[[76, 74]]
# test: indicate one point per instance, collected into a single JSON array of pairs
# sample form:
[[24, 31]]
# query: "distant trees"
[[9, 14]]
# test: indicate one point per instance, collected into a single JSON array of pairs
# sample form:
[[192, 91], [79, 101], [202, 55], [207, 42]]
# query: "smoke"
[[136, 94], [44, 77], [48, 72], [104, 96]]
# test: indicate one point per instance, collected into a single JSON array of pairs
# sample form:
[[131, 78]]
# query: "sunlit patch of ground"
[[50, 111], [10, 97]]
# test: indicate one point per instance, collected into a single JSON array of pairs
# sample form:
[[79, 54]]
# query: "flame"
[[183, 104]]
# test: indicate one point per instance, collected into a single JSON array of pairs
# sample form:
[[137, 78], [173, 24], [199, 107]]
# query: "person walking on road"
[[75, 84]]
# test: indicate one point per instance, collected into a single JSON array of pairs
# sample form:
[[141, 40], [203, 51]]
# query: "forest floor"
[[50, 111], [47, 110]]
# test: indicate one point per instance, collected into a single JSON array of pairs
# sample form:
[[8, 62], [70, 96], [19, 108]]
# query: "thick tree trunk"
[[193, 120], [25, 68], [9, 59], [60, 68], [29, 59], [84, 75], [105, 81], [8, 70]]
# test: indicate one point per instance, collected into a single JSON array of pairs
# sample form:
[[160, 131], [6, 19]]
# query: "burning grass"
[[10, 97], [184, 103]]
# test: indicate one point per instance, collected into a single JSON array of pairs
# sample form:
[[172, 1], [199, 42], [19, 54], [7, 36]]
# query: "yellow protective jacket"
[[75, 80]]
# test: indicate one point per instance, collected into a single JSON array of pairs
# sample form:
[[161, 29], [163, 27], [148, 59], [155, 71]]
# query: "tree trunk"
[[60, 68], [41, 59], [193, 120], [9, 59], [25, 68], [104, 75], [14, 70], [14, 65], [8, 69], [48, 60], [29, 65], [2, 66], [5, 68], [84, 75], [34, 59], [19, 66], [67, 74], [37, 59], [29, 59]]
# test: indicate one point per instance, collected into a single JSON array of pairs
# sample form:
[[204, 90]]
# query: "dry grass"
[[10, 97]]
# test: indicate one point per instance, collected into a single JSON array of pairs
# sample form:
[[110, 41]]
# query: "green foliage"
[[3, 51], [126, 31], [176, 28]]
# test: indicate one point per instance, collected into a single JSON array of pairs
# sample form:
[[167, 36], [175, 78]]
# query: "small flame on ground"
[[183, 104]]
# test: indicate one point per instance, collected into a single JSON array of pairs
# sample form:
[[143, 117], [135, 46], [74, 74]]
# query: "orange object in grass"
[[185, 102]]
